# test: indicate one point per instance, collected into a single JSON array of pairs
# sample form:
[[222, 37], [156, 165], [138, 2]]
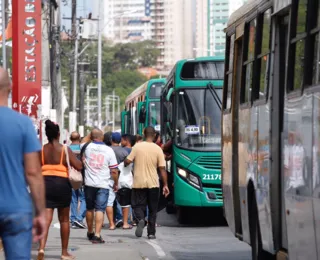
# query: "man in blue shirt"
[[77, 217], [20, 166]]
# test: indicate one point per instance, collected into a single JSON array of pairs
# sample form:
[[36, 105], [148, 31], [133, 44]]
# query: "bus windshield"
[[155, 90], [154, 115], [198, 120]]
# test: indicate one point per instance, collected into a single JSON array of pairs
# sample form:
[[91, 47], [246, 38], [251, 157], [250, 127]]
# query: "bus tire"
[[257, 251], [182, 215]]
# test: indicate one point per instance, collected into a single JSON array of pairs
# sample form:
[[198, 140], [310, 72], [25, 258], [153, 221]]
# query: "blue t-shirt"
[[18, 137], [75, 148], [128, 149]]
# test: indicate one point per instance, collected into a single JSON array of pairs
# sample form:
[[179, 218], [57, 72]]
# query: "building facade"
[[172, 22], [219, 12], [127, 20], [201, 32]]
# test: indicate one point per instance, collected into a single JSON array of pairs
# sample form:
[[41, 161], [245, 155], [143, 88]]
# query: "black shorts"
[[124, 197]]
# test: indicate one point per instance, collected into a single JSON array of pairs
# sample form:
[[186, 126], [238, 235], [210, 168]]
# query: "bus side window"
[[229, 73], [248, 64], [263, 59], [297, 50]]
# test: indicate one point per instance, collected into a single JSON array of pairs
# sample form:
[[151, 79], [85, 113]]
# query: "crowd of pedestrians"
[[120, 177]]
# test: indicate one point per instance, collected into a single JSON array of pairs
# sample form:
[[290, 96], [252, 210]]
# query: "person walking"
[[124, 191], [20, 167], [126, 142], [147, 158], [58, 188], [77, 216], [100, 166]]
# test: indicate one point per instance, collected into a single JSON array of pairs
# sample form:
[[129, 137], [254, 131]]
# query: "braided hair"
[[52, 130]]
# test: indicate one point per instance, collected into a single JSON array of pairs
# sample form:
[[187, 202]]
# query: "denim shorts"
[[16, 234], [96, 198]]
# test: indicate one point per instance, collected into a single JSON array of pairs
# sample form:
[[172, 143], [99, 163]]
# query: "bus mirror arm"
[[169, 94]]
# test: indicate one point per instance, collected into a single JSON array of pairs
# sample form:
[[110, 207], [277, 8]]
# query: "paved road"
[[174, 242]]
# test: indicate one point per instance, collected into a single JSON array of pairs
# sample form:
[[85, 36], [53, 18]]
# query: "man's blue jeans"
[[78, 195], [16, 234], [118, 211]]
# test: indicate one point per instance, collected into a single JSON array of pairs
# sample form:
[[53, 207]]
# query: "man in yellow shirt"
[[147, 158]]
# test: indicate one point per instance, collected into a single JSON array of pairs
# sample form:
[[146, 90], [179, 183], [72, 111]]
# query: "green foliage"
[[124, 82], [119, 65]]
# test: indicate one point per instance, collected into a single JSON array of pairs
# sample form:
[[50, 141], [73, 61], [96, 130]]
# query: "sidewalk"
[[120, 244]]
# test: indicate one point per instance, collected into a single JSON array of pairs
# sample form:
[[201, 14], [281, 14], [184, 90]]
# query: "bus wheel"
[[182, 215], [255, 236]]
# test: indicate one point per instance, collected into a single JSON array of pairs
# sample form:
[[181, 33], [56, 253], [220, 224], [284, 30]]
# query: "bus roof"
[[175, 72], [144, 88]]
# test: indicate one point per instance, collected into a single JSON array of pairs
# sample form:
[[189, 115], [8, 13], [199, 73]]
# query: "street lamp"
[[100, 53]]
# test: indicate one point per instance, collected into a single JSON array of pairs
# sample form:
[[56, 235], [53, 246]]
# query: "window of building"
[[246, 88], [229, 74], [297, 45]]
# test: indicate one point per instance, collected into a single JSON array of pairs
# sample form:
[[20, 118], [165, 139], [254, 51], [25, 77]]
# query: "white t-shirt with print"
[[98, 160]]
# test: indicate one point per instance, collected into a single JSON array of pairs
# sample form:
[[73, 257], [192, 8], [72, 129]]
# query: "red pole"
[[26, 58]]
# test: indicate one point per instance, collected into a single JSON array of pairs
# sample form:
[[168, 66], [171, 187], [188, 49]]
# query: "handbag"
[[75, 177]]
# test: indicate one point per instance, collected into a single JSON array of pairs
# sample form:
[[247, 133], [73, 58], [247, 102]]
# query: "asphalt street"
[[173, 241]]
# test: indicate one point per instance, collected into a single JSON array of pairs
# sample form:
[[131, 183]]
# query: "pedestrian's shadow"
[[47, 256], [131, 236]]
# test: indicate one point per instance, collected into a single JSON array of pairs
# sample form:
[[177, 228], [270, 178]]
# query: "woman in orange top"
[[58, 187]]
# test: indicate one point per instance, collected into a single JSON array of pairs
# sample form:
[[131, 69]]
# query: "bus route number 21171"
[[211, 177]]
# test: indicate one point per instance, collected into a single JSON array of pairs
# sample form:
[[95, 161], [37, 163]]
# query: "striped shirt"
[[98, 160]]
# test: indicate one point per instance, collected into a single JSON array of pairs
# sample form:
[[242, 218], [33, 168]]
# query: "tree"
[[147, 54], [119, 65], [123, 82]]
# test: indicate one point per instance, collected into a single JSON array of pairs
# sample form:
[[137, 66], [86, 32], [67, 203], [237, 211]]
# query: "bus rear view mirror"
[[169, 94]]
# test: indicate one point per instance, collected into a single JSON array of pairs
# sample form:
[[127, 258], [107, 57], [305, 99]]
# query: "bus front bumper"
[[187, 195]]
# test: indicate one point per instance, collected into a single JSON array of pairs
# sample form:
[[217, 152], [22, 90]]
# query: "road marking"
[[56, 225], [157, 248]]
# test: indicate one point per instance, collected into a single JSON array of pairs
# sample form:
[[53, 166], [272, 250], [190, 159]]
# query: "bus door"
[[142, 117], [125, 122], [277, 132]]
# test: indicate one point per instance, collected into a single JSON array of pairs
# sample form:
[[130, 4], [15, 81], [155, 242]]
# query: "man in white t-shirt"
[[100, 165]]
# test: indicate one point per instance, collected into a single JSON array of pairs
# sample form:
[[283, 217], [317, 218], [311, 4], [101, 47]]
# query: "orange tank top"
[[58, 170]]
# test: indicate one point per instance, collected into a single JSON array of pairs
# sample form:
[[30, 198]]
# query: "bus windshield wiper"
[[215, 94]]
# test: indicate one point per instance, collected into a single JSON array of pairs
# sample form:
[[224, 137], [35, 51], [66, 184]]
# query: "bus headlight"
[[182, 173], [189, 177]]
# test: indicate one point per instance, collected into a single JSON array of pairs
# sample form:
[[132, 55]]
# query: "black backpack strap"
[[83, 149]]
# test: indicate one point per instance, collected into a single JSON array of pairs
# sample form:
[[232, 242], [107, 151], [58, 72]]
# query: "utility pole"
[[100, 24], [73, 79], [59, 108], [6, 5], [55, 64], [45, 83], [82, 77]]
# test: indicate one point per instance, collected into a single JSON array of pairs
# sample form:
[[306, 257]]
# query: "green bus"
[[142, 108], [191, 123]]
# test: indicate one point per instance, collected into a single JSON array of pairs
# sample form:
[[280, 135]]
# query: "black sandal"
[[97, 240]]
